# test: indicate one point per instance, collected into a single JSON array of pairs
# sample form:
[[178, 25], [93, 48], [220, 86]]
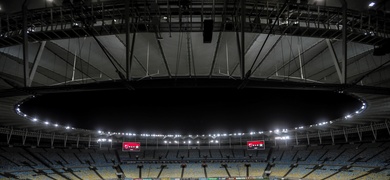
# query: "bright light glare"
[[371, 4]]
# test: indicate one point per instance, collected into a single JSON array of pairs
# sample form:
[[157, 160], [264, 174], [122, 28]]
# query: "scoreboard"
[[131, 146], [255, 145]]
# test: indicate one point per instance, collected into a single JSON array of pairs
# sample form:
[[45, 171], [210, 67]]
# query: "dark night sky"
[[190, 111]]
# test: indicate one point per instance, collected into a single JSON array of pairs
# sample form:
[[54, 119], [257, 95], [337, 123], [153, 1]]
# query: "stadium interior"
[[65, 46]]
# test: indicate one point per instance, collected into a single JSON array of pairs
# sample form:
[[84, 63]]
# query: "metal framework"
[[256, 16]]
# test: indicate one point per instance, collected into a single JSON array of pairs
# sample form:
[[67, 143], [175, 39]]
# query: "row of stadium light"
[[177, 142], [104, 140], [282, 137], [177, 135], [133, 134], [189, 142], [349, 116], [276, 131], [36, 120]]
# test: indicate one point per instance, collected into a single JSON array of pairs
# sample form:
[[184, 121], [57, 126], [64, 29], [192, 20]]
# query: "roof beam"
[[36, 62], [243, 21], [215, 54], [335, 60], [127, 18], [163, 56], [25, 44], [344, 42], [132, 54]]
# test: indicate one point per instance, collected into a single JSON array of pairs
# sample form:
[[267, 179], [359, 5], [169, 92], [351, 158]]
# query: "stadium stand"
[[360, 160], [194, 170]]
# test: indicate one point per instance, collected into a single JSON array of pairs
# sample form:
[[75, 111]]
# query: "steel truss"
[[107, 18]]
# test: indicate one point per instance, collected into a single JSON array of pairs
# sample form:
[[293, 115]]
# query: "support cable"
[[249, 72], [370, 72], [105, 51]]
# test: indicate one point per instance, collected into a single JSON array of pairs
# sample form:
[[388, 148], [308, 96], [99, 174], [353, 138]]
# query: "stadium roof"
[[281, 45]]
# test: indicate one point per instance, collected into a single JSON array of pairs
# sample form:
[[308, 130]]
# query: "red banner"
[[131, 146], [255, 145]]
